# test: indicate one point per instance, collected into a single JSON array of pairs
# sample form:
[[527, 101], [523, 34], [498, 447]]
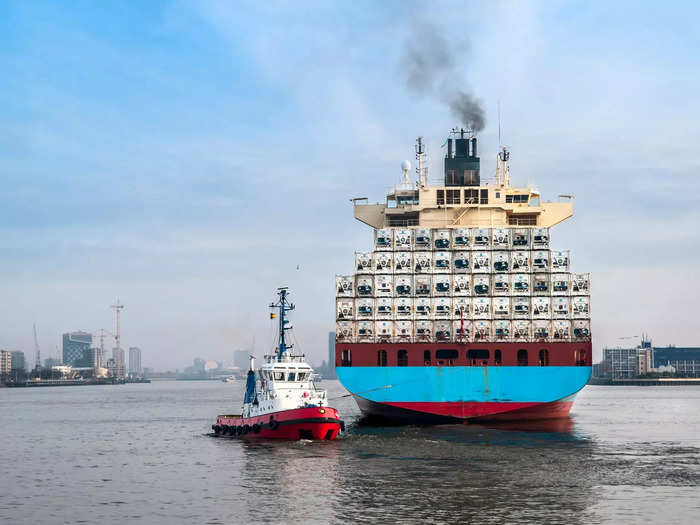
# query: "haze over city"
[[190, 157]]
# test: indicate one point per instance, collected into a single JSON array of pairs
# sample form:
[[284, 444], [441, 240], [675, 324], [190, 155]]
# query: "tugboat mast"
[[284, 306]]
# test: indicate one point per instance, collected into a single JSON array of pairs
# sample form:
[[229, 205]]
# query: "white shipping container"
[[462, 329], [461, 284], [461, 238], [560, 261], [561, 330], [364, 308], [422, 308], [402, 262], [365, 331], [383, 285], [520, 284], [501, 284], [422, 285], [521, 308], [442, 262], [364, 285], [540, 261], [541, 330], [423, 262], [521, 329], [363, 262], [345, 309], [520, 261], [403, 285], [461, 262], [481, 308], [383, 239], [443, 330], [384, 308], [461, 308], [482, 284], [441, 239], [423, 330], [501, 262], [403, 330], [344, 331], [560, 284], [481, 330], [500, 238], [442, 308], [561, 308], [481, 262], [541, 308], [403, 308], [344, 285], [383, 330], [442, 285], [581, 329], [581, 307], [403, 239], [501, 307], [481, 238], [422, 239], [521, 238], [382, 262], [580, 283], [540, 284], [540, 238], [501, 330]]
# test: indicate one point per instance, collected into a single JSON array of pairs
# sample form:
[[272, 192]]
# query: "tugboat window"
[[292, 376], [522, 357], [402, 358], [279, 376], [544, 357], [381, 358]]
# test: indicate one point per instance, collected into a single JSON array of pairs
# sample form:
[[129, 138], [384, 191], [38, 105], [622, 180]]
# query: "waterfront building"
[[122, 361], [77, 349], [50, 362], [5, 362], [331, 356], [135, 361], [241, 359], [685, 360], [626, 363], [17, 361]]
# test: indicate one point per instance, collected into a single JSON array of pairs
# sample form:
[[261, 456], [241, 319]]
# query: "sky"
[[188, 158]]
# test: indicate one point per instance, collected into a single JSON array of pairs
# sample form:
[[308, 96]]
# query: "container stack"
[[465, 285]]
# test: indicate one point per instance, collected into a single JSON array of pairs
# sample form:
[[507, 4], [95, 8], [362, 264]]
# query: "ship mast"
[[283, 306]]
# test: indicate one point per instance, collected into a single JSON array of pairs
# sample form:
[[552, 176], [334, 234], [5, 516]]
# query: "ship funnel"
[[462, 163]]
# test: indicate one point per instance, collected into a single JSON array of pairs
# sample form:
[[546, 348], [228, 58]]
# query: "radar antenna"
[[283, 306]]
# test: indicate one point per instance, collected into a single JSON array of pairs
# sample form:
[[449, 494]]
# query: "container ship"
[[462, 311]]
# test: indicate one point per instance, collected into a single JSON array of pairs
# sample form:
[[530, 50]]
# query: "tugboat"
[[281, 400]]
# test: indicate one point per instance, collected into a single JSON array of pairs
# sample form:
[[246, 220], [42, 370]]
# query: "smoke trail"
[[428, 64]]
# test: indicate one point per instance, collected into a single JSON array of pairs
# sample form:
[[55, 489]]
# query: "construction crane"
[[118, 358], [37, 351]]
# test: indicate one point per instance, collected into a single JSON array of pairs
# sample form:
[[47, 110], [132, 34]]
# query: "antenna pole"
[[284, 306], [499, 123]]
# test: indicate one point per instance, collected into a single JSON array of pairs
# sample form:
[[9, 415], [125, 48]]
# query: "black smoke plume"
[[428, 64]]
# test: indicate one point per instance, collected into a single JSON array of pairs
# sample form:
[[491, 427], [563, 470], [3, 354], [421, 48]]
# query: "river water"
[[141, 454]]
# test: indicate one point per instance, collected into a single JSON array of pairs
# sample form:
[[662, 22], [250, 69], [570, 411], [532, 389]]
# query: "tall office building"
[[76, 349], [241, 359], [135, 361], [17, 361], [122, 361], [331, 356], [5, 362]]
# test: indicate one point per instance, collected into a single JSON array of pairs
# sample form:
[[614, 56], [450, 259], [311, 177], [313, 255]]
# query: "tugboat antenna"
[[284, 306]]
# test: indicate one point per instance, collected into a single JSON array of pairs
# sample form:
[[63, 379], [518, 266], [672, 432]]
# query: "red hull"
[[318, 423]]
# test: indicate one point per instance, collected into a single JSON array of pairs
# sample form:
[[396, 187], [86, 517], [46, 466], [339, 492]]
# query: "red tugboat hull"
[[317, 423]]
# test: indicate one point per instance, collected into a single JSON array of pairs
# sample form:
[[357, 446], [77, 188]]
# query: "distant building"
[[17, 361], [626, 363], [331, 356], [76, 349], [135, 361], [241, 359], [5, 362], [122, 360], [686, 360], [50, 362]]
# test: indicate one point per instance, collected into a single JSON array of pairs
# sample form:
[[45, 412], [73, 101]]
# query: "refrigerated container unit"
[[541, 308], [580, 283], [540, 261], [521, 329], [540, 284], [481, 238], [461, 262], [481, 330], [441, 239], [382, 262], [561, 330], [344, 285], [560, 261], [383, 330], [423, 330], [541, 330], [364, 285], [561, 308], [481, 262], [443, 330], [461, 308], [521, 238], [365, 331], [501, 284], [461, 238], [363, 262], [560, 284], [423, 262], [403, 308], [540, 238], [461, 284], [442, 262], [403, 330], [422, 308], [442, 285], [422, 239], [345, 309], [501, 307], [383, 238], [501, 330], [364, 308], [403, 239], [520, 284], [422, 285], [462, 329], [403, 285], [384, 308], [481, 308], [403, 262], [520, 261], [482, 284], [344, 331], [521, 308], [581, 329], [442, 307], [501, 262], [580, 307], [500, 238], [382, 285]]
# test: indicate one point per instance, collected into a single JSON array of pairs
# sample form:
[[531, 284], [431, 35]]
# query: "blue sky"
[[187, 156]]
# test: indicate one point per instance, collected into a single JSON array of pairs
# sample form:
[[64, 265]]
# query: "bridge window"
[[453, 196], [346, 358], [544, 357], [426, 357], [522, 357], [440, 197], [497, 357], [402, 358], [381, 358]]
